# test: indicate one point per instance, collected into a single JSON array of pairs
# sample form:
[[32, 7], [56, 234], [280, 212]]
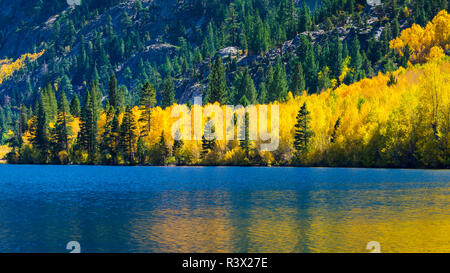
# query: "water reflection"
[[315, 215], [416, 220]]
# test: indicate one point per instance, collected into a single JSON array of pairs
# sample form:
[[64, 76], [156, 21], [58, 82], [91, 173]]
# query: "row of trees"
[[372, 123]]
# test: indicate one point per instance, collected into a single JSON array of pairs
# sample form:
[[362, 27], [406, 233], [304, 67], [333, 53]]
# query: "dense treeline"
[[254, 26], [397, 119]]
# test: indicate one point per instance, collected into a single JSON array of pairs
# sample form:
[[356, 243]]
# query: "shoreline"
[[3, 162]]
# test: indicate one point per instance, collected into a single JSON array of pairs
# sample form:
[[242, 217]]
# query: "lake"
[[224, 209]]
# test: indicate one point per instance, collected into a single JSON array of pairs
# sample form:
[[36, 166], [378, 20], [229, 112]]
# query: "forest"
[[354, 103]]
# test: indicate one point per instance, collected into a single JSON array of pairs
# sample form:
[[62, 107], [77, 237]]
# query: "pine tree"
[[15, 142], [75, 107], [113, 91], [39, 134], [66, 85], [62, 130], [23, 125], [49, 102], [288, 16], [323, 78], [298, 79], [356, 58], [247, 88], [311, 72], [245, 143], [233, 25], [107, 139], [260, 42], [128, 136], [208, 140], [217, 88], [141, 151], [87, 137], [121, 98], [262, 97], [304, 18], [164, 151], [395, 28], [167, 93], [177, 146], [278, 89], [147, 102], [303, 133], [335, 59], [115, 133]]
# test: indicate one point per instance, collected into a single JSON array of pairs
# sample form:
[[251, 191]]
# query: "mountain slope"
[[152, 40]]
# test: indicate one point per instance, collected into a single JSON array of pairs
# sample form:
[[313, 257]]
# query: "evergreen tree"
[[217, 88], [128, 136], [324, 81], [147, 102], [164, 151], [304, 21], [278, 89], [87, 137], [298, 79], [177, 146], [107, 139], [303, 133], [288, 17], [39, 133], [245, 143], [247, 88], [49, 102], [311, 70], [75, 107], [23, 123], [62, 130], [260, 42], [233, 24], [356, 58], [113, 91], [167, 93], [208, 140], [66, 85], [262, 97], [121, 98], [335, 58], [395, 28]]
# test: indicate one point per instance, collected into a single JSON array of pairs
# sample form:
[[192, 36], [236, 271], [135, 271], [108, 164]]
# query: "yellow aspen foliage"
[[368, 123], [380, 125], [8, 67], [4, 150], [425, 43]]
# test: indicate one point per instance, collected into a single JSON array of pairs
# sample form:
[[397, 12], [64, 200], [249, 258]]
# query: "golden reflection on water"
[[189, 228], [414, 220]]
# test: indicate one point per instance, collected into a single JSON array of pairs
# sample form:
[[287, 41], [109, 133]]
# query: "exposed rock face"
[[228, 51], [191, 91], [153, 53]]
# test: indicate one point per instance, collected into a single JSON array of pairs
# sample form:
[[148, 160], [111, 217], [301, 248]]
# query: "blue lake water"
[[151, 209]]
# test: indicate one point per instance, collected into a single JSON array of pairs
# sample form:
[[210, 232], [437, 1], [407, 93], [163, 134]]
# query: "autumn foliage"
[[425, 43], [400, 119], [8, 67]]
